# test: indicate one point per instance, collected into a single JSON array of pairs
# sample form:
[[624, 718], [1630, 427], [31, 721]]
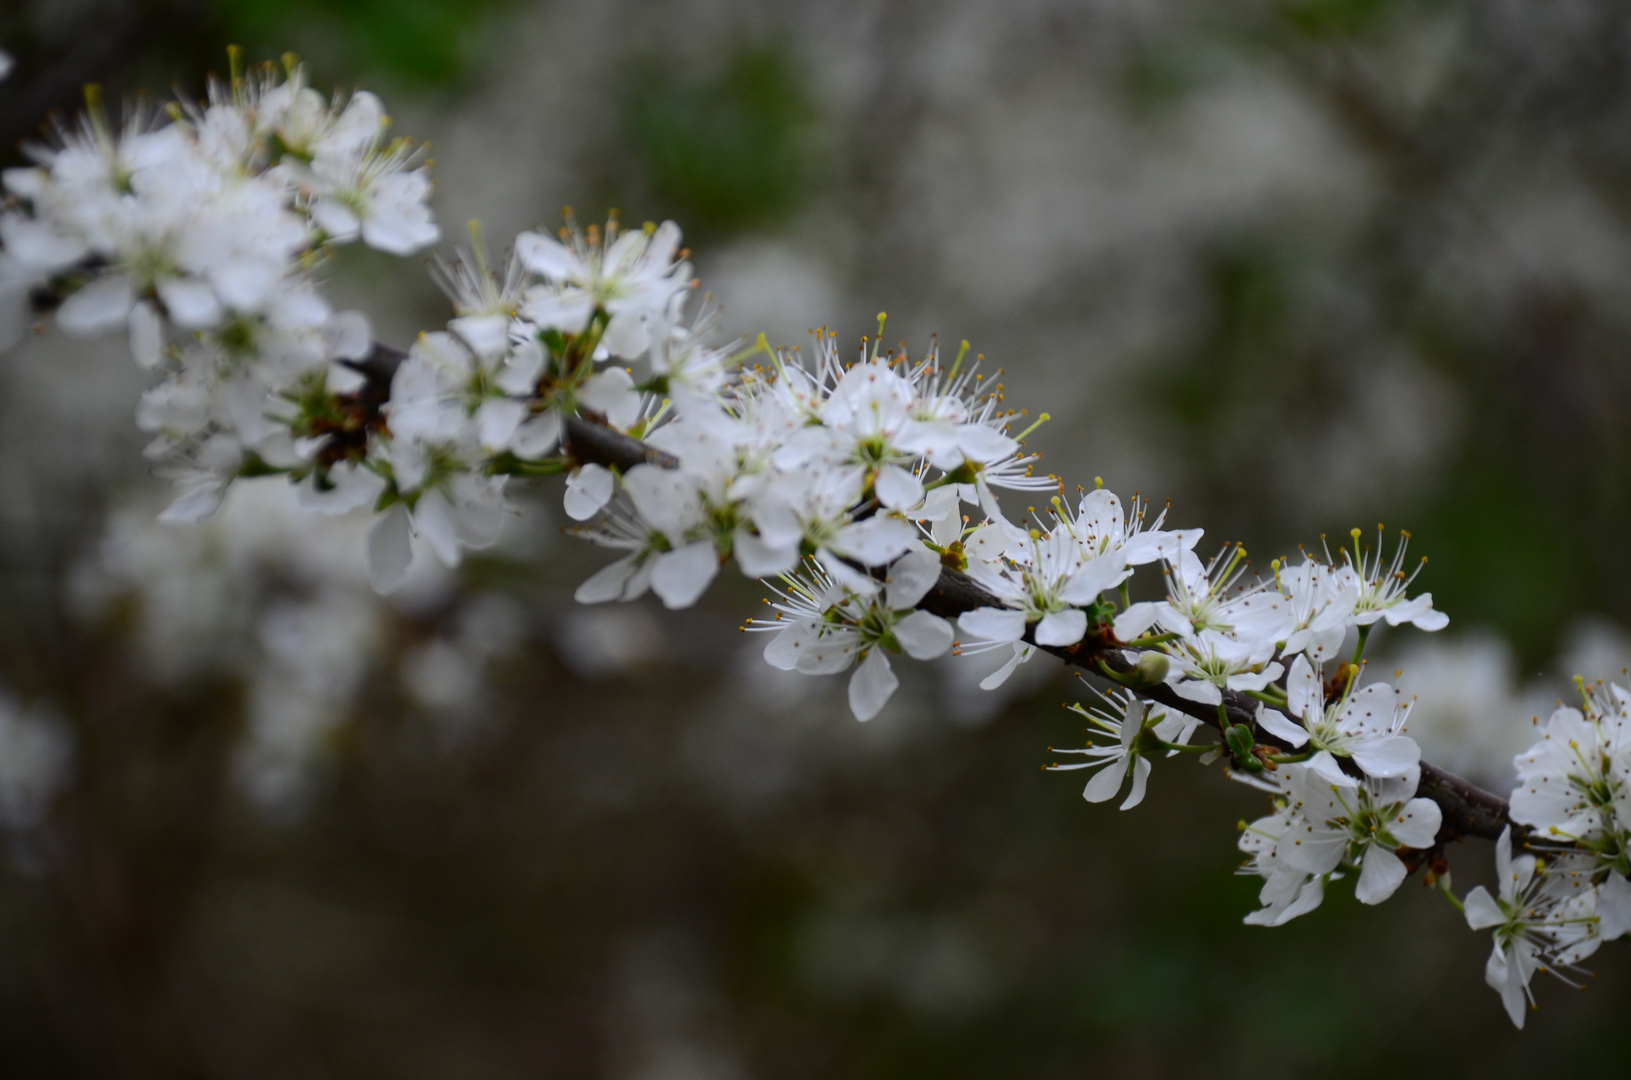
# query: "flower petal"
[[1277, 724], [911, 577], [682, 576], [1061, 627], [1380, 874], [101, 306], [897, 488], [1141, 777], [923, 636], [1417, 824], [992, 624], [871, 686], [1393, 755], [1107, 781], [587, 490], [390, 549]]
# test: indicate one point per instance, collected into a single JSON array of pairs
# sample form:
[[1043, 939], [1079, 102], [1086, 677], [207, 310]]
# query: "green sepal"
[[1240, 742]]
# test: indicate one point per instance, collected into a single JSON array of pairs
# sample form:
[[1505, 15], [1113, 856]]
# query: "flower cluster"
[[866, 492], [200, 232], [1553, 910]]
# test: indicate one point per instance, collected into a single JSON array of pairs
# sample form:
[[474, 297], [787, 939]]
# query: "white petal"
[[682, 576], [626, 336], [479, 518], [1136, 620], [146, 335], [189, 302], [877, 541], [897, 488], [1614, 907], [587, 490], [1094, 576], [535, 438], [610, 392], [1481, 910], [519, 375], [547, 257], [759, 559], [98, 308], [1275, 723], [1505, 975], [992, 624], [347, 335], [496, 421], [1380, 875], [569, 313], [911, 577], [245, 284], [1022, 653], [1326, 767], [1197, 690], [196, 503], [984, 444], [390, 549], [487, 335], [667, 499], [399, 231], [1106, 782], [607, 583], [1309, 897], [987, 543], [1141, 777], [923, 636], [433, 518], [1417, 824], [1061, 627], [830, 651], [1304, 696], [1431, 620], [872, 684], [335, 219], [787, 644], [1393, 755]]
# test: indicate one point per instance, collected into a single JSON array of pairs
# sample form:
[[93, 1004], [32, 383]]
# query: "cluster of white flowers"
[[199, 232], [1574, 795], [852, 487]]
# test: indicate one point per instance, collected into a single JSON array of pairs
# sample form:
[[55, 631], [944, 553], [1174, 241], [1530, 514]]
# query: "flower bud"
[[1152, 668]]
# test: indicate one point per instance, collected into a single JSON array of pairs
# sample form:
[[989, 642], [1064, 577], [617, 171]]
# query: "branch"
[[1468, 810], [587, 441], [595, 443]]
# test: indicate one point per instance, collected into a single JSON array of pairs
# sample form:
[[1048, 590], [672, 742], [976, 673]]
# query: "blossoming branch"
[[864, 492]]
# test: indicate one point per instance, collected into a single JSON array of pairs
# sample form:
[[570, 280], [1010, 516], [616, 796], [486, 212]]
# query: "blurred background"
[[1293, 265]]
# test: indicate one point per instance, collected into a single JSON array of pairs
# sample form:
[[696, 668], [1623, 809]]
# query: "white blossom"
[[631, 275], [1288, 891], [1379, 588], [1358, 824], [1137, 734], [823, 627], [1575, 783], [1362, 724], [1544, 919]]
